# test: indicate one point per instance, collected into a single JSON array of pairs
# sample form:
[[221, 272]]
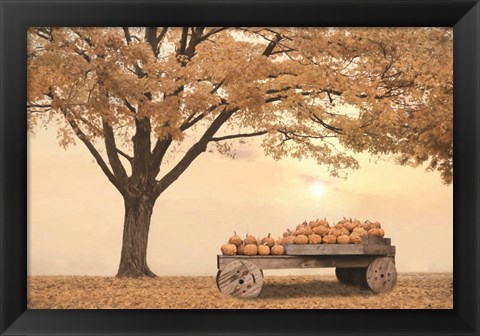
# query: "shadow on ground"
[[311, 289]]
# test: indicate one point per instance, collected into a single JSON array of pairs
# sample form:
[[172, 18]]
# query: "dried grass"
[[413, 290]]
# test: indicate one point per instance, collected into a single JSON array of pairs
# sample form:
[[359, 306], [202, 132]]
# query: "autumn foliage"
[[134, 96]]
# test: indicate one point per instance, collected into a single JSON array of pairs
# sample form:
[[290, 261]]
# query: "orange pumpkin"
[[240, 249], [343, 239], [235, 239], [263, 250], [366, 225], [228, 249], [314, 239], [323, 222], [321, 230], [301, 239], [355, 238], [329, 239], [268, 241], [278, 250], [250, 250], [249, 239], [289, 240]]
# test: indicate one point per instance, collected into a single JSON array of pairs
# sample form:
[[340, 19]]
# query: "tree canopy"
[[323, 93], [138, 96]]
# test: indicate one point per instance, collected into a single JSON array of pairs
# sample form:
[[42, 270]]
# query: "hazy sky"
[[75, 216]]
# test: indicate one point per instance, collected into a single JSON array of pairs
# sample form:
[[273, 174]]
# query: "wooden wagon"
[[370, 264]]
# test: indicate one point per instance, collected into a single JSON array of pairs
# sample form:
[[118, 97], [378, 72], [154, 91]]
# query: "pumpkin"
[[323, 222], [250, 249], [301, 226], [335, 232], [345, 231], [355, 238], [307, 231], [279, 241], [339, 225], [249, 239], [263, 250], [314, 239], [367, 225], [321, 230], [278, 250], [344, 220], [299, 232], [351, 225], [329, 239], [376, 232], [382, 232], [301, 239], [313, 224], [228, 249], [343, 239], [376, 225], [287, 233], [240, 249], [360, 231], [235, 239], [289, 240], [268, 241]]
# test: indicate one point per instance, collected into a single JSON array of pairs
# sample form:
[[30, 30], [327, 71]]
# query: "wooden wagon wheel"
[[240, 278], [343, 275], [381, 275], [352, 276]]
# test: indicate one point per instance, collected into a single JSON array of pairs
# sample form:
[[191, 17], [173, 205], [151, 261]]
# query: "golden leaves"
[[381, 90]]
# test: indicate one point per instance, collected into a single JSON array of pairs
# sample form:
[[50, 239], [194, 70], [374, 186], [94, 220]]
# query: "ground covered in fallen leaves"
[[413, 290]]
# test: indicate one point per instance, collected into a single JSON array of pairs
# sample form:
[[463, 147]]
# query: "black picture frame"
[[17, 15]]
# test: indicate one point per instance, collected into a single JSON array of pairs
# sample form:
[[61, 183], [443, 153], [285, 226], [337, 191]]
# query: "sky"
[[75, 216]]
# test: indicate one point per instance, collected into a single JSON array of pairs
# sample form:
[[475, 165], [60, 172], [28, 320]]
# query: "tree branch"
[[183, 41], [241, 135], [158, 153], [112, 143], [199, 147], [192, 121], [98, 158], [317, 119], [212, 32], [128, 38], [112, 153], [269, 49], [153, 39]]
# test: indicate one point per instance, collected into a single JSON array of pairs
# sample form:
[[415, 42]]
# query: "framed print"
[[85, 66]]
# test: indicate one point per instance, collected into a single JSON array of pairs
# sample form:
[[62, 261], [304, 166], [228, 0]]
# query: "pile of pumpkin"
[[346, 231], [251, 246]]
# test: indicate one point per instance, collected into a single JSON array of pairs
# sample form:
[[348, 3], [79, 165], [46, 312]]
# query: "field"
[[413, 290]]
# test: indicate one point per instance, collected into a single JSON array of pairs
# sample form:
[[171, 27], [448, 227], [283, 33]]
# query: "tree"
[[322, 93]]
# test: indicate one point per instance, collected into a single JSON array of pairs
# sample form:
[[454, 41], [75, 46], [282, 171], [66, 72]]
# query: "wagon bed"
[[370, 264]]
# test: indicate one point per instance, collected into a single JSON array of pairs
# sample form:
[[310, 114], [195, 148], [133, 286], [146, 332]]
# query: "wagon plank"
[[290, 262], [330, 249]]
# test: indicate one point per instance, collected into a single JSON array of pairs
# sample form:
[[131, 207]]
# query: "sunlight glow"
[[317, 189]]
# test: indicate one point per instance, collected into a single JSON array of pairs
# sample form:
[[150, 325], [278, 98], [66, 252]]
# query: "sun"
[[317, 189]]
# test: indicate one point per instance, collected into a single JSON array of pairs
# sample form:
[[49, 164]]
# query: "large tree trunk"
[[133, 261]]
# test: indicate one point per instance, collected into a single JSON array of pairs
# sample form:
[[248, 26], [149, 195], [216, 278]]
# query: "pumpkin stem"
[[268, 235]]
